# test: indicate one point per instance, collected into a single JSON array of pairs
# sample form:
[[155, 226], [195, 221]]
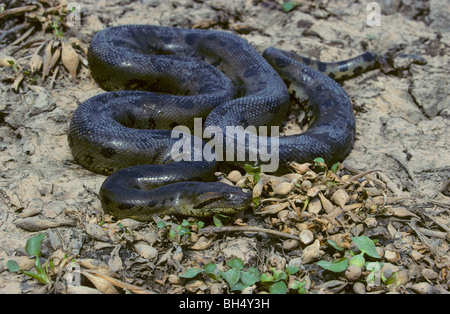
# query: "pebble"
[[312, 252], [353, 272], [290, 244], [359, 288], [306, 237]]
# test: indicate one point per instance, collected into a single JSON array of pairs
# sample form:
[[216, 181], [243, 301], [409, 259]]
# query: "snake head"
[[219, 198]]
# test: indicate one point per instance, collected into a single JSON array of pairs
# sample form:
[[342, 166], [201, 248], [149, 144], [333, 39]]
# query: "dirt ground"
[[403, 128]]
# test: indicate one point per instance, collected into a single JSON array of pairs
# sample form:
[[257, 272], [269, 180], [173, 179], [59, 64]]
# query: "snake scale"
[[162, 77]]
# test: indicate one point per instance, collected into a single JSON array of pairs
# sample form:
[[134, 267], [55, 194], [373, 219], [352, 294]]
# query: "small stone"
[[312, 252], [306, 237], [359, 288], [353, 272], [290, 244]]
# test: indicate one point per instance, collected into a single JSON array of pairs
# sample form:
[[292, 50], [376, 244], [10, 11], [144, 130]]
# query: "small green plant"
[[255, 172], [366, 247], [290, 5], [320, 163], [177, 231], [56, 25], [239, 278], [33, 248]]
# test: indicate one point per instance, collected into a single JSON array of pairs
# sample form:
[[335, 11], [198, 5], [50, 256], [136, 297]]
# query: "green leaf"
[[335, 168], [291, 270], [161, 224], [252, 170], [289, 6], [210, 268], [200, 224], [335, 267], [318, 161], [239, 286], [12, 266], [265, 278], [212, 271], [33, 246], [236, 263], [255, 273], [278, 288], [191, 273], [38, 277], [358, 260], [279, 275], [366, 245], [217, 221], [248, 278], [335, 245], [231, 276]]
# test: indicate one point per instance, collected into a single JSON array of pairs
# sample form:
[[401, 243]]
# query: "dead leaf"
[[69, 58]]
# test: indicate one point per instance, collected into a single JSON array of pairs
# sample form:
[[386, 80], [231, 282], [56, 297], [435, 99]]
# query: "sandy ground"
[[402, 129]]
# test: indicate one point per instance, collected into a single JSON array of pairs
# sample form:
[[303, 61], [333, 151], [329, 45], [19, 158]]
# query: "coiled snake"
[[213, 75]]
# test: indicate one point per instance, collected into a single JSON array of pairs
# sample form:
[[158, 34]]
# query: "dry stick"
[[247, 229], [14, 29], [19, 10], [23, 37], [356, 177]]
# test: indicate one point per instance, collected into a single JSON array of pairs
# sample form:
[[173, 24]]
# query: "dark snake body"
[[216, 76]]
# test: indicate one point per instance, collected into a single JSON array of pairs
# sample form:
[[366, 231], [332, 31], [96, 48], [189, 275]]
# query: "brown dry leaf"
[[98, 266], [326, 204], [202, 244], [402, 212], [17, 82], [340, 197], [35, 63], [100, 284], [54, 59], [46, 59], [300, 168], [273, 209], [69, 58]]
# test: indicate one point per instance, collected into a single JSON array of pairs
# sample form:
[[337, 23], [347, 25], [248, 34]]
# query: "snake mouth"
[[221, 198]]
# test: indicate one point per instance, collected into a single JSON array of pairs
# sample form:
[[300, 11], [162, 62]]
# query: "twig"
[[247, 229], [14, 29], [19, 10], [23, 37]]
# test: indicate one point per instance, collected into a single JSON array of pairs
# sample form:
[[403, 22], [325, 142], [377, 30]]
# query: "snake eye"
[[227, 195]]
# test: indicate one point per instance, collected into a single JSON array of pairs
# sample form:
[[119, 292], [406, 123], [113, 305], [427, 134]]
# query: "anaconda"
[[213, 75]]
